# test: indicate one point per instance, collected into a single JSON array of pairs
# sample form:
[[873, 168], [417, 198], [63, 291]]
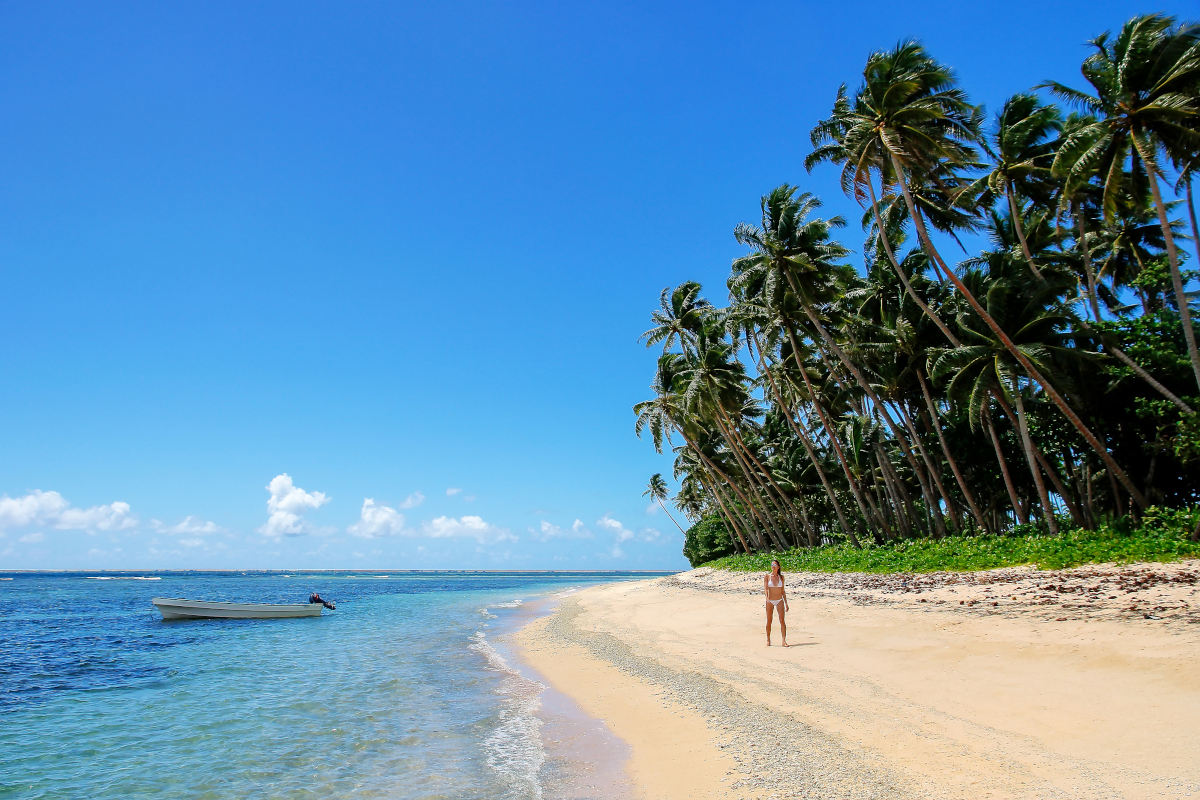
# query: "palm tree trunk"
[[902, 514], [972, 503], [930, 468], [785, 508], [1117, 352], [733, 440], [855, 489], [1047, 467], [808, 526], [728, 515], [804, 440], [887, 248], [1192, 215], [854, 371], [1019, 227], [1138, 370], [1021, 358], [760, 542], [1018, 509], [1088, 270], [884, 526], [670, 516], [1185, 313], [1027, 445]]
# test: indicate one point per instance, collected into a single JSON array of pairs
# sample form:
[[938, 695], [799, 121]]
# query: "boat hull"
[[175, 608]]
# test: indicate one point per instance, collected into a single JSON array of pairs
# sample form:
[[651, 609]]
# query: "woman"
[[776, 600]]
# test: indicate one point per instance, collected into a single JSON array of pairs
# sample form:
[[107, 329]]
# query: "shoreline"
[[582, 758], [1006, 684]]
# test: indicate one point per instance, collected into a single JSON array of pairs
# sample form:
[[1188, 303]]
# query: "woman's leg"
[[770, 609], [782, 626]]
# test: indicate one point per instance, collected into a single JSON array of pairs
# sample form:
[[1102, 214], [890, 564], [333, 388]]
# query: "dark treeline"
[[1052, 377]]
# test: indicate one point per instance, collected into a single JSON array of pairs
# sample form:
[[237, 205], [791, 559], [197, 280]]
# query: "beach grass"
[[1160, 535]]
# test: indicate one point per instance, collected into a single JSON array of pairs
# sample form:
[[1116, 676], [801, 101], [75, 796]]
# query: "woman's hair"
[[775, 563]]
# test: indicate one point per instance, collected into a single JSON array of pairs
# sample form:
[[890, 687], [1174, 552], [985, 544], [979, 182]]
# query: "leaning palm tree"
[[904, 95], [657, 489], [1022, 150], [679, 317], [908, 121], [1146, 103], [988, 369]]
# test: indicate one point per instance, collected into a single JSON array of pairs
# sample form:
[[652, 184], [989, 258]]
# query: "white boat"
[[175, 608]]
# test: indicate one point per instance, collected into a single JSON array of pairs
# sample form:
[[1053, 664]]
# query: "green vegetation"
[[1164, 535], [909, 405], [707, 540]]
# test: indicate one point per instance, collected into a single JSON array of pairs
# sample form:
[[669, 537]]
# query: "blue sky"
[[265, 262]]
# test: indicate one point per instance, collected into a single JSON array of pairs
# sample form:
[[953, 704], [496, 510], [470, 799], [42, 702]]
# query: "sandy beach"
[[1014, 683]]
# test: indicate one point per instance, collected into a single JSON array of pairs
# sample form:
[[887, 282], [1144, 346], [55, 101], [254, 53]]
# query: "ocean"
[[405, 691]]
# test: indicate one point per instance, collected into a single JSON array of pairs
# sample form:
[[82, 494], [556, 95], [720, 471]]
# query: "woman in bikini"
[[776, 600]]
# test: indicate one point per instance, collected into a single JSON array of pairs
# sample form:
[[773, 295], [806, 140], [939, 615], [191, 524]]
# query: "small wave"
[[509, 604], [5, 579], [514, 749], [123, 578]]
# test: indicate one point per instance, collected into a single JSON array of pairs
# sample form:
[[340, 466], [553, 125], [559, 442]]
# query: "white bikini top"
[[773, 581]]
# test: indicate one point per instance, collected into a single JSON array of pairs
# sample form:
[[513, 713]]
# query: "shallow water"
[[400, 693]]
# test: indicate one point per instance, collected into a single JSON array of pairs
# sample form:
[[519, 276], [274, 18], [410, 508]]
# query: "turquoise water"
[[400, 693]]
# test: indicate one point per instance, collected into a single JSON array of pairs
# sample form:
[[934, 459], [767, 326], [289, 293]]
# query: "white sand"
[[888, 696]]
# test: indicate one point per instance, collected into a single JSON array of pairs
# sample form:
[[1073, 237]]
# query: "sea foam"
[[514, 749], [123, 578]]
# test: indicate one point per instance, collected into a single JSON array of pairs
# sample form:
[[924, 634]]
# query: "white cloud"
[[466, 527], [32, 538], [619, 531], [547, 531], [192, 542], [453, 490], [287, 505], [35, 508], [189, 525], [621, 534], [652, 509], [51, 509], [376, 520], [413, 500], [112, 517]]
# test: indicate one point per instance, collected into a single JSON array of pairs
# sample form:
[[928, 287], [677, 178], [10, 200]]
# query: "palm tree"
[[761, 304], [902, 90], [657, 488], [1022, 151], [679, 317], [986, 366], [1146, 102], [666, 412], [908, 121]]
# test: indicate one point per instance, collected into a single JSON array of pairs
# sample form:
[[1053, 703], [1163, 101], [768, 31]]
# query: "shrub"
[[708, 539], [1161, 535]]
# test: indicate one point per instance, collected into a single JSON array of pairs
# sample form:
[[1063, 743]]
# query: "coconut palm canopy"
[[1052, 375]]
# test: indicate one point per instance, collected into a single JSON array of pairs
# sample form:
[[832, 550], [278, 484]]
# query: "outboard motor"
[[316, 598]]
